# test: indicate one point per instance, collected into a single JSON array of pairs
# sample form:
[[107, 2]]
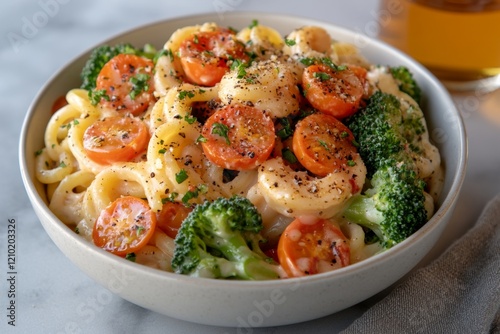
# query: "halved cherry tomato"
[[59, 103], [128, 82], [323, 144], [310, 246], [115, 139], [205, 56], [125, 226], [238, 137], [334, 92], [171, 216]]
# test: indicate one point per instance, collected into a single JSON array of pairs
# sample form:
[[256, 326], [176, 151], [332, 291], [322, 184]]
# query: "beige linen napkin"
[[457, 293]]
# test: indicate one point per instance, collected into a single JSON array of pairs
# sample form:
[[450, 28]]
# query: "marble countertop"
[[52, 295]]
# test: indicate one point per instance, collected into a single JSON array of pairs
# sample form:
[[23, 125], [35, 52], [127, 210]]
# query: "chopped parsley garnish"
[[190, 119], [304, 113], [221, 130], [251, 79], [328, 62], [288, 155], [323, 61], [290, 42], [252, 55], [253, 24], [181, 176], [138, 230], [351, 163], [185, 93], [240, 67], [286, 130], [200, 189], [96, 95], [324, 144], [140, 83], [130, 257], [308, 61], [209, 53], [68, 126], [163, 52], [170, 198], [201, 139], [322, 76]]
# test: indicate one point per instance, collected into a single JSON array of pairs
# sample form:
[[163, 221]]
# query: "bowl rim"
[[445, 207]]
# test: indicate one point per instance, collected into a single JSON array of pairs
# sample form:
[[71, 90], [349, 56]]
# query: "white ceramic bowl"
[[250, 303]]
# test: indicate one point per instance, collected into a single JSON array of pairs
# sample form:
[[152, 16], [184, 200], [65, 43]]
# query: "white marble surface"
[[52, 295]]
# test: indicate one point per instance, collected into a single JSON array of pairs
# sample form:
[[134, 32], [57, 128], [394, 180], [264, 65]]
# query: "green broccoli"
[[221, 239], [394, 207], [390, 134], [406, 82], [383, 130]]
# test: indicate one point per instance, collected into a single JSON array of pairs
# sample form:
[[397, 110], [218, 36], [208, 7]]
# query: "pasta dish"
[[154, 137]]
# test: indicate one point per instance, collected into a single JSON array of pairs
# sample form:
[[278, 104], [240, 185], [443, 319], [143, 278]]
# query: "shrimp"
[[297, 193], [310, 42], [269, 85]]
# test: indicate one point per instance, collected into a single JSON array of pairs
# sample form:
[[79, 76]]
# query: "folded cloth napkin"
[[459, 292]]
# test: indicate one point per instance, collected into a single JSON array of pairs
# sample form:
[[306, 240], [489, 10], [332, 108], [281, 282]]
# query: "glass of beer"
[[457, 40]]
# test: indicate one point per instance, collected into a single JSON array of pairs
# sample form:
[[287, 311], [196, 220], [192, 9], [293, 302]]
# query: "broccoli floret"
[[406, 82], [390, 133], [394, 207], [220, 239], [383, 131]]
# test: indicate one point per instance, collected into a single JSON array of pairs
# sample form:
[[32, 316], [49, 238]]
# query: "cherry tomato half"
[[115, 139], [323, 144], [238, 137], [125, 226], [206, 56], [311, 246], [128, 83], [334, 92]]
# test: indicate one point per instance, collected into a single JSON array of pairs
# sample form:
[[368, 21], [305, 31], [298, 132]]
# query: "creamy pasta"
[[173, 165]]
